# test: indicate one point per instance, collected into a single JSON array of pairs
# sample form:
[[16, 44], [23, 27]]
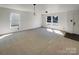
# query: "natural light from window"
[[55, 31], [3, 36], [58, 32], [49, 30]]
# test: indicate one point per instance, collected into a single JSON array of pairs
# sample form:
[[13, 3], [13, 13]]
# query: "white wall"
[[74, 16], [66, 12], [56, 8], [70, 17], [76, 20], [64, 21], [27, 21]]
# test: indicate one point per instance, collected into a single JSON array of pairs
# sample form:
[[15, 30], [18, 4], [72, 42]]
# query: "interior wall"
[[64, 21], [70, 20], [74, 16], [27, 21], [76, 20]]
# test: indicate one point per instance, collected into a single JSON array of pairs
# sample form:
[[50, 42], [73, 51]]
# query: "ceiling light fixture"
[[34, 9]]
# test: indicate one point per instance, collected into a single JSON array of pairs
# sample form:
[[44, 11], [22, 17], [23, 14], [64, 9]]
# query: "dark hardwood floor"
[[72, 36]]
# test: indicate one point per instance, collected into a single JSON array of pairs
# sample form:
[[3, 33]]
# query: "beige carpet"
[[37, 42]]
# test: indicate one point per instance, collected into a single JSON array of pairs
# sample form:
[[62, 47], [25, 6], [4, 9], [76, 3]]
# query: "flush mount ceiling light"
[[34, 5]]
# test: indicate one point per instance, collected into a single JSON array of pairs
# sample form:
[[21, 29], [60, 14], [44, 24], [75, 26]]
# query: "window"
[[14, 21], [49, 19], [55, 19]]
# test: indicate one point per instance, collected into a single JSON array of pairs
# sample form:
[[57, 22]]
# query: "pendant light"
[[34, 5]]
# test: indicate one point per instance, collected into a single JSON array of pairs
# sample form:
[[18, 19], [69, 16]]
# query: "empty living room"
[[39, 29]]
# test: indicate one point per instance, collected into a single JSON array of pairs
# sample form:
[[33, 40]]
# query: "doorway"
[[14, 22], [76, 23], [73, 22]]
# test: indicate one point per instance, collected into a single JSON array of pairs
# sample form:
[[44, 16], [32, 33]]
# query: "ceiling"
[[23, 7], [51, 8]]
